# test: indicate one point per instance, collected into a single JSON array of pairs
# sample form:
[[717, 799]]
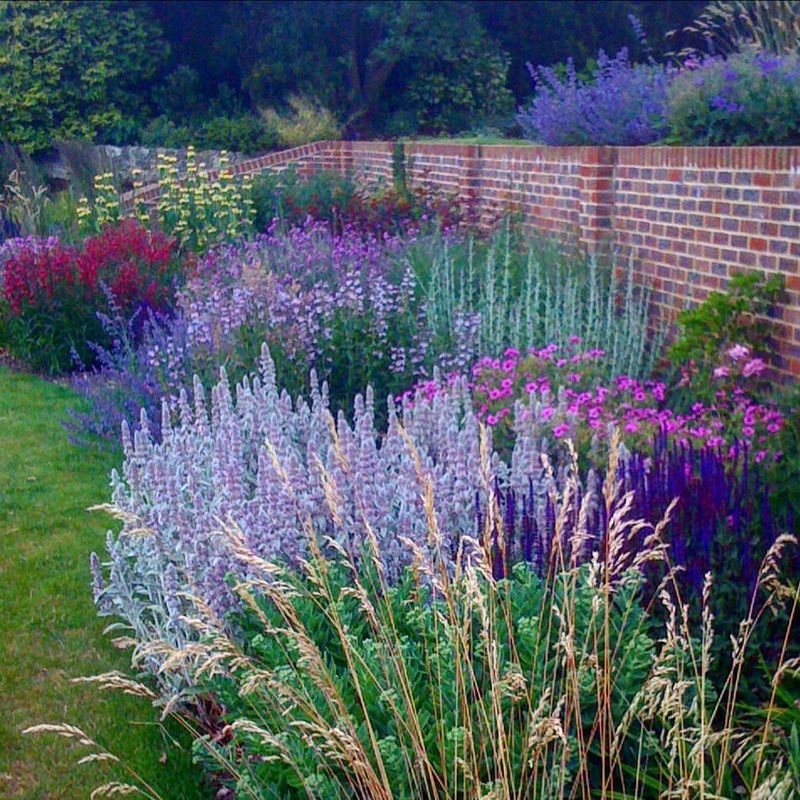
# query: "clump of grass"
[[453, 684]]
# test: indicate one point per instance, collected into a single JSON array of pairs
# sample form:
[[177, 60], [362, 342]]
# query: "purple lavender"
[[625, 104]]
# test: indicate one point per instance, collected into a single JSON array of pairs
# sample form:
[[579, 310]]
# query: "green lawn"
[[50, 632]]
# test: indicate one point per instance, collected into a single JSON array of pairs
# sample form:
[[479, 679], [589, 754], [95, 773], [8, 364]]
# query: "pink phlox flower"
[[760, 456], [754, 367], [738, 352], [547, 412], [722, 372]]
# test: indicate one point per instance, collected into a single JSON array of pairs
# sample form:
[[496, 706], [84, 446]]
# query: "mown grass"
[[50, 632]]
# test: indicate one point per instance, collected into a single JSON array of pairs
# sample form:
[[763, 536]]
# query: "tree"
[[73, 69], [368, 59]]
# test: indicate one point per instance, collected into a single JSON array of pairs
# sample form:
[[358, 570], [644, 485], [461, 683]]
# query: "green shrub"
[[288, 196], [245, 133], [454, 90], [749, 98], [73, 70], [163, 132], [726, 319]]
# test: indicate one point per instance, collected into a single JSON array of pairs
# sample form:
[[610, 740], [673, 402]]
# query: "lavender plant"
[[624, 104]]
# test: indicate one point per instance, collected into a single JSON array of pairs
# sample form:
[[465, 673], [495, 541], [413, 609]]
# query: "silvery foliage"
[[488, 304], [257, 460]]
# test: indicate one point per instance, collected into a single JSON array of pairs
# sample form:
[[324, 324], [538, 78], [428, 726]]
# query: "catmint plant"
[[623, 104]]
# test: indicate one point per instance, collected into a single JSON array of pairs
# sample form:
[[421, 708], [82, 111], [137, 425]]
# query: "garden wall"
[[689, 216]]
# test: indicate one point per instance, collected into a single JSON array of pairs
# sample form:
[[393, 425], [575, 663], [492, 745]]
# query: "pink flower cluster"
[[563, 393]]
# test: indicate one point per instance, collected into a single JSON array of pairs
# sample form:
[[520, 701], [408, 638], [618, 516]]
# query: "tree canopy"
[[115, 71]]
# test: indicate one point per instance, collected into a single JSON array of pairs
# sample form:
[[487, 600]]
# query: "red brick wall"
[[689, 216], [692, 216]]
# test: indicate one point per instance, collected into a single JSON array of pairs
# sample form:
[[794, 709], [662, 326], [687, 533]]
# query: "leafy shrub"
[[730, 321], [52, 293], [245, 133], [454, 89], [624, 104], [240, 133], [73, 70], [161, 131], [747, 99], [305, 121]]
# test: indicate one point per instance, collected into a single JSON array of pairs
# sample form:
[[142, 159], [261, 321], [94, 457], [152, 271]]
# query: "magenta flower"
[[754, 367], [738, 352], [560, 430]]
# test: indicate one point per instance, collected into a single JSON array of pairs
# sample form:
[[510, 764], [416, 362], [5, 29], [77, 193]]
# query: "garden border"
[[689, 216]]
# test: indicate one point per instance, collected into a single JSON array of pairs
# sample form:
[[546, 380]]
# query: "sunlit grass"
[[50, 632]]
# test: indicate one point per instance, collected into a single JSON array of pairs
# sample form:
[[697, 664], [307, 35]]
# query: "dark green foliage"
[[290, 197], [367, 60], [72, 70], [737, 316]]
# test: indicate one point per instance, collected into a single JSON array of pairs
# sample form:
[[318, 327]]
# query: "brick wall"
[[689, 217]]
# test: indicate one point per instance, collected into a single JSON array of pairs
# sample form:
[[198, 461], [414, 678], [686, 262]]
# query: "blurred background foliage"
[[254, 76]]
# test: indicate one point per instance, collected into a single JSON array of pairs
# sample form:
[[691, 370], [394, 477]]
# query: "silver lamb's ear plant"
[[256, 459]]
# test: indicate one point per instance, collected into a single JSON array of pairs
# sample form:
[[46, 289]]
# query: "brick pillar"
[[596, 186], [469, 180]]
